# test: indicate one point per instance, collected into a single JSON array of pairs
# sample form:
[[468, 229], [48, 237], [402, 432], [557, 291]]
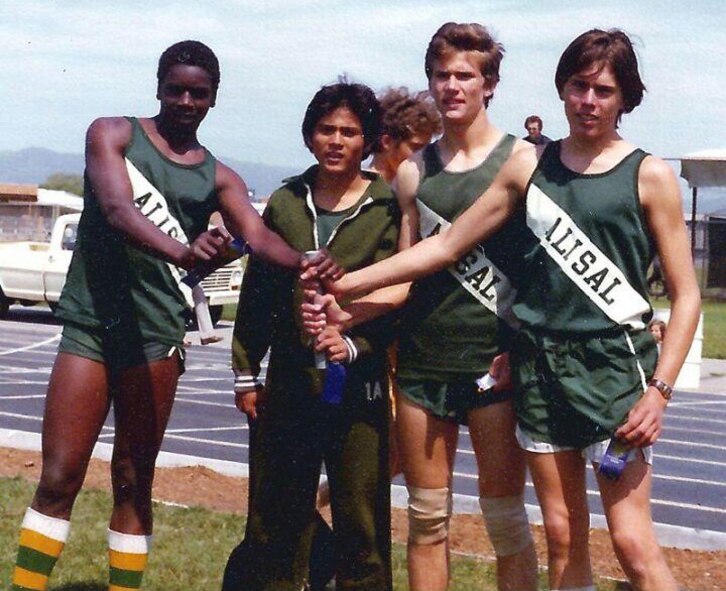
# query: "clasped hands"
[[322, 317]]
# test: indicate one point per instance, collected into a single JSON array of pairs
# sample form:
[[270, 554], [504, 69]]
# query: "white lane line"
[[207, 429], [469, 452], [229, 404], [658, 456], [227, 378], [20, 382], [596, 493], [689, 480], [693, 507], [18, 369], [658, 476], [688, 460], [14, 415], [27, 397], [209, 441], [702, 392], [32, 354], [670, 428], [691, 443], [31, 328], [670, 418], [720, 406], [187, 390], [29, 347]]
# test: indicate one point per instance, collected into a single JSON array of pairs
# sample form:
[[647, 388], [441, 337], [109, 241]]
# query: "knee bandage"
[[507, 524], [429, 511]]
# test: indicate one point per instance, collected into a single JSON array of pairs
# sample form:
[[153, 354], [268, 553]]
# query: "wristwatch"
[[665, 390]]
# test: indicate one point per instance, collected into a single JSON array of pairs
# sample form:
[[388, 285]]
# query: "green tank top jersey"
[[114, 286], [448, 333], [586, 270]]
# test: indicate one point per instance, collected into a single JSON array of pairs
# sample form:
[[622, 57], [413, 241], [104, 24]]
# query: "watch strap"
[[666, 391]]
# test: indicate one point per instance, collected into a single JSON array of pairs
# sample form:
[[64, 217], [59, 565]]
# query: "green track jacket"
[[268, 314]]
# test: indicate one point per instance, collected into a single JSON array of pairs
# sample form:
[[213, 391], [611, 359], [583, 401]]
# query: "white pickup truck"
[[33, 272]]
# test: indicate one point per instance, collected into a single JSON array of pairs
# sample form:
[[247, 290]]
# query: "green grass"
[[714, 330], [189, 552], [229, 312], [714, 327]]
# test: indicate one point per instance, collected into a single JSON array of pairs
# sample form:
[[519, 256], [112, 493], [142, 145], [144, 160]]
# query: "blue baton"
[[196, 275], [615, 458], [334, 383]]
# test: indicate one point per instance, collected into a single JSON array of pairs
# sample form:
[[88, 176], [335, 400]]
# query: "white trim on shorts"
[[593, 452]]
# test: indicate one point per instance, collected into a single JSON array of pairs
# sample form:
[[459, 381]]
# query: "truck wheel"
[[216, 313], [4, 304]]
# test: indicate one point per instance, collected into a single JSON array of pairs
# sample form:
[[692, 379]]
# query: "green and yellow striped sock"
[[41, 541], [127, 556]]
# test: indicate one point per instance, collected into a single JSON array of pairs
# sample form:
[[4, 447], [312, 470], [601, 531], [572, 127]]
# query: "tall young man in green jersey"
[[150, 188], [598, 210]]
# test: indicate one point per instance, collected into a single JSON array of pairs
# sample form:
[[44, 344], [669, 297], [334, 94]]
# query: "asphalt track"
[[689, 488]]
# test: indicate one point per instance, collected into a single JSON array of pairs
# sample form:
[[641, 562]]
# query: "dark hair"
[[533, 119], [405, 114], [611, 47], [467, 37], [189, 53], [360, 99]]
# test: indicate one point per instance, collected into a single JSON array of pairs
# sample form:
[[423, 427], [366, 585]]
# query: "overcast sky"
[[65, 63]]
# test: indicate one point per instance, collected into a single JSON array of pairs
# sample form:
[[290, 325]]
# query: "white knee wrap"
[[506, 522], [429, 511]]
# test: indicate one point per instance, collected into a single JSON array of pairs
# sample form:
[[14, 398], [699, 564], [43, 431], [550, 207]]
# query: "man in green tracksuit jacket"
[[354, 215]]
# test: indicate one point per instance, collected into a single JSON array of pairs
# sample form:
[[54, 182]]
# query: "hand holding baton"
[[200, 272], [334, 372]]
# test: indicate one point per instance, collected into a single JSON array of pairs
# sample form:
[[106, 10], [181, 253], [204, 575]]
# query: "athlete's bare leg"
[[627, 508], [426, 448], [502, 468], [559, 479], [75, 408], [142, 404]]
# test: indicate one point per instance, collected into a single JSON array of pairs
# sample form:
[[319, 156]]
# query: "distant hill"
[[34, 165]]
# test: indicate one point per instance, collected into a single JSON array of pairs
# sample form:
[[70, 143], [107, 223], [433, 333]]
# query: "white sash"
[[474, 271], [583, 262], [154, 207]]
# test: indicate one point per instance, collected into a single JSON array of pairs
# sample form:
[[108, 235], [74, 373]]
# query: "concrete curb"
[[670, 536]]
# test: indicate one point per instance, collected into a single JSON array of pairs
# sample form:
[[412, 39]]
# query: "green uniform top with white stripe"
[[115, 286], [586, 273], [448, 333]]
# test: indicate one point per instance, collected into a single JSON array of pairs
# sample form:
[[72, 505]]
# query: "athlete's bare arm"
[[661, 200], [381, 301], [321, 311], [476, 224], [405, 186], [243, 221], [106, 140]]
